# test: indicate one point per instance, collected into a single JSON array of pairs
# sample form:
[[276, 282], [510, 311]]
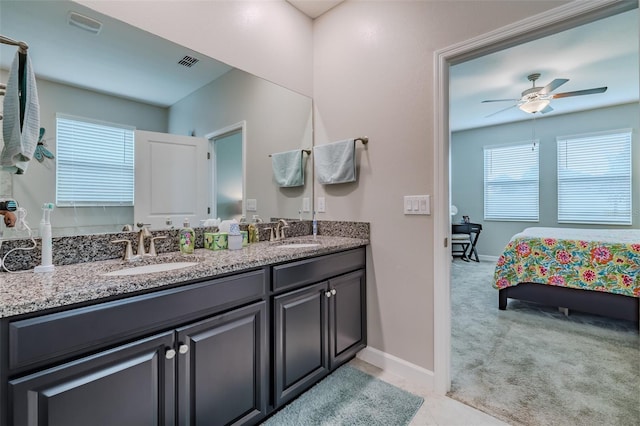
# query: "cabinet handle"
[[333, 291], [327, 293], [170, 353], [183, 349]]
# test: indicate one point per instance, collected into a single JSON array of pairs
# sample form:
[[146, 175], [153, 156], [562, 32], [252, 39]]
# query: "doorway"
[[227, 172], [556, 20]]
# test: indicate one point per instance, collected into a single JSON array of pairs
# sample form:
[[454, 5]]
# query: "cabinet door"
[[129, 385], [347, 317], [222, 368], [300, 323]]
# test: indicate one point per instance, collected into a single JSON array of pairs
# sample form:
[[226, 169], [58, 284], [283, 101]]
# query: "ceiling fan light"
[[534, 106]]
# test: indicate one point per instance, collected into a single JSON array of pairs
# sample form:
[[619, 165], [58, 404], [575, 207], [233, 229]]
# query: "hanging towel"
[[336, 162], [20, 140], [288, 169]]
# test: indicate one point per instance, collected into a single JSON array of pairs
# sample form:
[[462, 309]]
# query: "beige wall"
[[270, 39], [369, 66], [373, 76]]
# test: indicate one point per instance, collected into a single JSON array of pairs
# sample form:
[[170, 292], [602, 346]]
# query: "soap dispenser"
[[186, 238]]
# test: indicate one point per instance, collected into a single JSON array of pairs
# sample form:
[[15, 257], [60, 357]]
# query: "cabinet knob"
[[333, 291], [327, 293], [170, 353], [183, 349]]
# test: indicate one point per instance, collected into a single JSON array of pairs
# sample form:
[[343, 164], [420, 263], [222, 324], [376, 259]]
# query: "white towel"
[[335, 162], [20, 143], [288, 169]]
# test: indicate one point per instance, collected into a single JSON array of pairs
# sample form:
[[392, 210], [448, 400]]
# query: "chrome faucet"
[[280, 229]]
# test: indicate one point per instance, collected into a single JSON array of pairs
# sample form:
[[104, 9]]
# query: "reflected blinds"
[[94, 163]]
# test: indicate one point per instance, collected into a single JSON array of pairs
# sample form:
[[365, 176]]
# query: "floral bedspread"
[[612, 267]]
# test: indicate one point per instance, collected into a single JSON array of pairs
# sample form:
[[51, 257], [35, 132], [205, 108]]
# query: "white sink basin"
[[150, 269], [299, 245]]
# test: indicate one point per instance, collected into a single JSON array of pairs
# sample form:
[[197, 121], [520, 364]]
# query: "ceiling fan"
[[537, 99]]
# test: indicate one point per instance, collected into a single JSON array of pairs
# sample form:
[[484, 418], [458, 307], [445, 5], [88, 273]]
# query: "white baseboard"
[[488, 258], [392, 364]]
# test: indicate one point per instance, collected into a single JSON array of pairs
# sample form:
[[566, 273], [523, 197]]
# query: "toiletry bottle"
[[186, 238], [46, 265], [315, 225]]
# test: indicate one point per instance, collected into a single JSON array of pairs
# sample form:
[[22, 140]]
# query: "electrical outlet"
[[306, 205], [322, 207], [252, 205]]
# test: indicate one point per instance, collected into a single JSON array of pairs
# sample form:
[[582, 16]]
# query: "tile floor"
[[437, 410]]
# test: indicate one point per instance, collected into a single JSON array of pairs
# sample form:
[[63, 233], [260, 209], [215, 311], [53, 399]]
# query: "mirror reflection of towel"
[[20, 141], [335, 162], [288, 168]]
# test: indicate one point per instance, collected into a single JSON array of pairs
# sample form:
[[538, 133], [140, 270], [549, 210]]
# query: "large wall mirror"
[[126, 76]]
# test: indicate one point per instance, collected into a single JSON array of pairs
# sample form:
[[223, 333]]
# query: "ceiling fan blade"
[[500, 100], [546, 109], [579, 92], [553, 85], [502, 110]]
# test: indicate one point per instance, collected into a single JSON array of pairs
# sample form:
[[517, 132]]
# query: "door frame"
[[549, 22], [211, 137]]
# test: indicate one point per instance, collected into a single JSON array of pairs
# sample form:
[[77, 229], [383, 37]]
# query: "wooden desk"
[[474, 230]]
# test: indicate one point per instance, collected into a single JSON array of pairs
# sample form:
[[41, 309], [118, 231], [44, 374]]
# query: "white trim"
[[487, 258], [392, 364], [240, 126], [546, 23]]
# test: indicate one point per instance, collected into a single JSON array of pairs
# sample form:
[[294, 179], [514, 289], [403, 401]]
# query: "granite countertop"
[[22, 293]]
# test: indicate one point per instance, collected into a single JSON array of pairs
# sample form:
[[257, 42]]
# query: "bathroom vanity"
[[228, 341]]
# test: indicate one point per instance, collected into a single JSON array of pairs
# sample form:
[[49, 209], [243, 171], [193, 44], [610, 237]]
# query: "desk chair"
[[460, 240]]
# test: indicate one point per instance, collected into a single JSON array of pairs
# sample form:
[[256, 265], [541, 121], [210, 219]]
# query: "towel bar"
[[364, 140], [306, 151]]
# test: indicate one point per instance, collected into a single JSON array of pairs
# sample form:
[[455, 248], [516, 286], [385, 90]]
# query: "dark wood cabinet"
[[300, 340], [130, 385], [224, 351], [316, 329], [223, 370]]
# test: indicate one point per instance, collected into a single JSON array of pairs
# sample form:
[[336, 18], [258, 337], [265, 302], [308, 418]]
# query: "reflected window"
[[94, 163]]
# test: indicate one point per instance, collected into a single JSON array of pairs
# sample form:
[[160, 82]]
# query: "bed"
[[589, 270]]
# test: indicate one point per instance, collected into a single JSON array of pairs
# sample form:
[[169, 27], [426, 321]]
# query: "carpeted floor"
[[531, 365], [349, 397]]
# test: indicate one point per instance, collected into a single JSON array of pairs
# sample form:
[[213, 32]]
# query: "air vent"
[[188, 61], [84, 22]]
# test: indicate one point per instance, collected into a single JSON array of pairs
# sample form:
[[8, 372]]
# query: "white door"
[[171, 179]]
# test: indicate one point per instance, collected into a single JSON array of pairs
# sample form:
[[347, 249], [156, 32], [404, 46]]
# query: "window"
[[94, 163], [594, 178], [511, 182]]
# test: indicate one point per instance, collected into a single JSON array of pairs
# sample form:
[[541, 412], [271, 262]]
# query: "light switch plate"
[[322, 207], [417, 204], [306, 205], [252, 205]]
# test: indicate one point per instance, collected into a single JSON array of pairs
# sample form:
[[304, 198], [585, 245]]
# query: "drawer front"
[[50, 337], [316, 269]]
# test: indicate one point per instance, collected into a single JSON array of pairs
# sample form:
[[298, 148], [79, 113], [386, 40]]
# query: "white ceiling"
[[134, 64], [120, 60], [602, 53], [314, 8]]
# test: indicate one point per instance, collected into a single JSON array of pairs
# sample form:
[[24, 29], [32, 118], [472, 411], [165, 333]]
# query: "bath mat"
[[349, 397]]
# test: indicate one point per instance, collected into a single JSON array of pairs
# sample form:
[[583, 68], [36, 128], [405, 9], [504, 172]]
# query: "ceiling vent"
[[84, 22], [188, 61]]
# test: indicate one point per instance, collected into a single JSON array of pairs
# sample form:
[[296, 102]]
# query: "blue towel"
[[20, 142], [335, 162], [288, 169]]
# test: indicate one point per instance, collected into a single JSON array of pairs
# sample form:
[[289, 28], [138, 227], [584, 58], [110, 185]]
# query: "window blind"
[[594, 178], [94, 163], [511, 182]]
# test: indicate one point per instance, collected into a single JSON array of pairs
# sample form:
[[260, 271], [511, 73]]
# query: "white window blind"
[[94, 163], [511, 182], [594, 178]]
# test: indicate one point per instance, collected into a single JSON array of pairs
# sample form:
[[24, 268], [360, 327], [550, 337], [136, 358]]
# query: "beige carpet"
[[531, 365]]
